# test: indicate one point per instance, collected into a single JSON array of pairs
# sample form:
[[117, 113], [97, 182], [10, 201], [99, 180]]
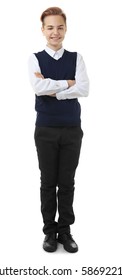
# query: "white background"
[[94, 30]]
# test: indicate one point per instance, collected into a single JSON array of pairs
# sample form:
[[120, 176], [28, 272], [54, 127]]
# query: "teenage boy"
[[58, 78]]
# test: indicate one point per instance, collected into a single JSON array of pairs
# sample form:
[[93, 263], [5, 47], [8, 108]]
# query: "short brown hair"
[[53, 11]]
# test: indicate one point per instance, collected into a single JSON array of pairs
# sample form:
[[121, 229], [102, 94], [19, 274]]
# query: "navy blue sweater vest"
[[50, 110]]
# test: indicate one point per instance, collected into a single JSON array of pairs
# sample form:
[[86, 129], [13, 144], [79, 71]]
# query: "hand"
[[39, 75], [53, 95], [70, 83]]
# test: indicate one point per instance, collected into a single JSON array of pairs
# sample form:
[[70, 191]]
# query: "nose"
[[55, 31]]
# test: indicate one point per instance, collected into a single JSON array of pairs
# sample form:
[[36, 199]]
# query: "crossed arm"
[[70, 82], [61, 89]]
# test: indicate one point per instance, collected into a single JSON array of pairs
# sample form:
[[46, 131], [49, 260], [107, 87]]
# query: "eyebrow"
[[61, 25]]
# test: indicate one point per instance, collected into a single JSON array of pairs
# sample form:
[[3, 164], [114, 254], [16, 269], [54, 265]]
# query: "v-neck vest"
[[50, 110]]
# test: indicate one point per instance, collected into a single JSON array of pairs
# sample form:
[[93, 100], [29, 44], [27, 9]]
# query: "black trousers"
[[58, 150]]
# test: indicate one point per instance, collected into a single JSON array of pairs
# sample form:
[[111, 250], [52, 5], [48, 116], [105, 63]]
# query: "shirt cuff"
[[63, 84], [61, 95]]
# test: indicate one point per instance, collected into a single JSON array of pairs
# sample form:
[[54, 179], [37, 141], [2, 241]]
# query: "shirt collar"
[[52, 53]]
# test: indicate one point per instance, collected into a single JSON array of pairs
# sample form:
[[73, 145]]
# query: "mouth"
[[56, 38]]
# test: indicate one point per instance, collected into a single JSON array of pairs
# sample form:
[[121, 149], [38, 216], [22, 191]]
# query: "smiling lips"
[[56, 38]]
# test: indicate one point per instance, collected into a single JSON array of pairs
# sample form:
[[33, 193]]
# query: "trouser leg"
[[68, 162], [47, 151]]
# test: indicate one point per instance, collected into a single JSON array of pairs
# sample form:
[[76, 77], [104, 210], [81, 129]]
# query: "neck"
[[54, 48]]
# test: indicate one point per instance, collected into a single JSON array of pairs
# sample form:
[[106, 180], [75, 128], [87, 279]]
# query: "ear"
[[42, 29]]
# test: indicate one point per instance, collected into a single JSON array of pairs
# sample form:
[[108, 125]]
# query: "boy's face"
[[54, 30]]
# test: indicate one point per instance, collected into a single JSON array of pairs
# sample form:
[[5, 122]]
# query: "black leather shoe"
[[68, 242], [50, 242]]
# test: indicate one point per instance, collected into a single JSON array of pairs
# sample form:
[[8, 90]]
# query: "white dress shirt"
[[49, 86]]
